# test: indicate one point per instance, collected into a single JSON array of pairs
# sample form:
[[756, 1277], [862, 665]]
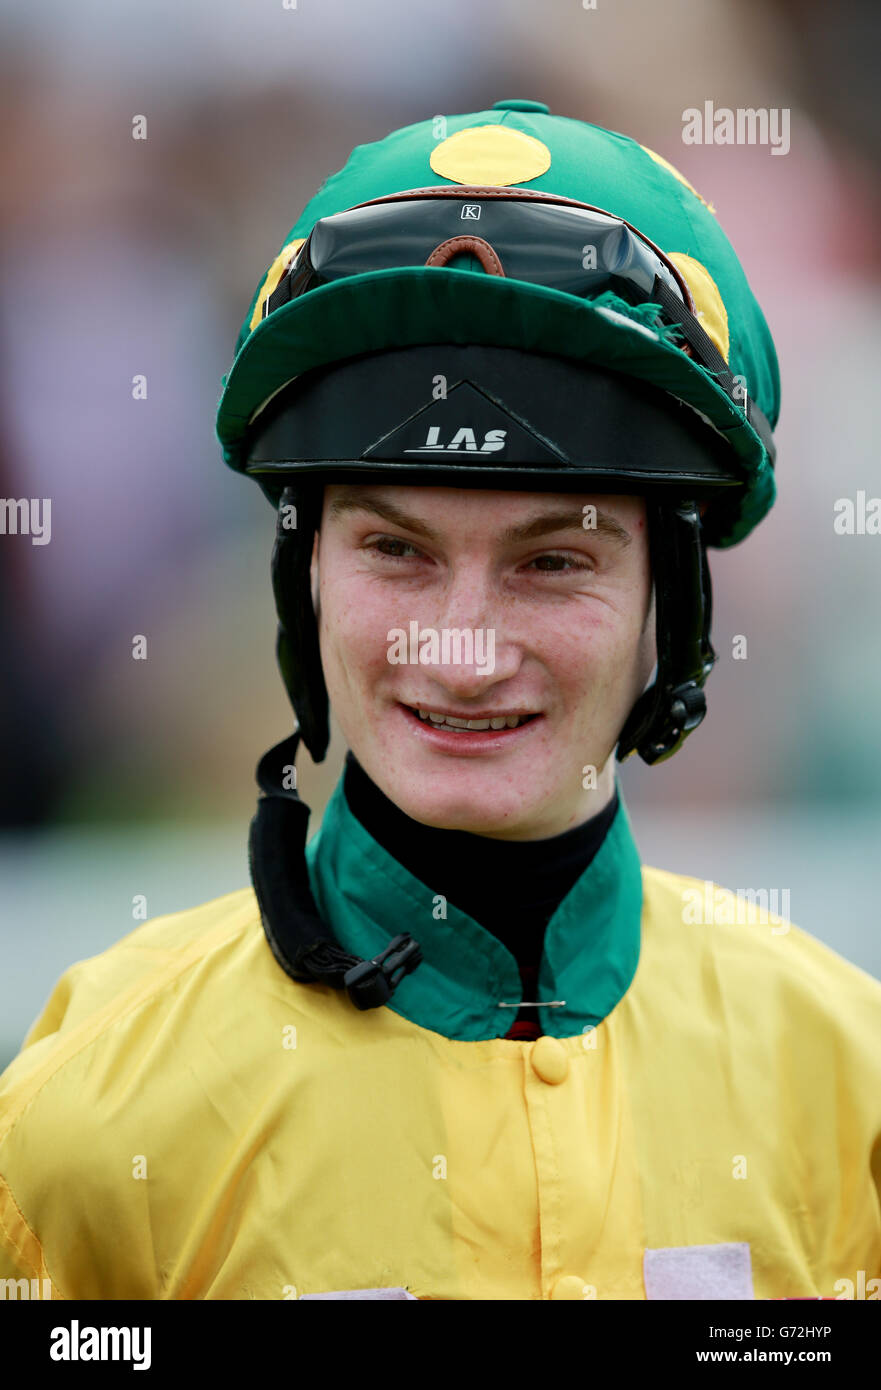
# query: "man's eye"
[[385, 545], [569, 561], [397, 549]]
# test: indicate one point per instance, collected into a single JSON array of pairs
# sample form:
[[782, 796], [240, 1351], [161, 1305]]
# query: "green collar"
[[591, 946]]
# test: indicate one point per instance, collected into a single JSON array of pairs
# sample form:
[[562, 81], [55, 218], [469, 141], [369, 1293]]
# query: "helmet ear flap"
[[297, 646], [675, 704]]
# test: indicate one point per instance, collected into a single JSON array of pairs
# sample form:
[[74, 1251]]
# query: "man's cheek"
[[360, 641]]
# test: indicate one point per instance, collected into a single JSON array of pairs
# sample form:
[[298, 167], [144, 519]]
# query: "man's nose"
[[474, 650]]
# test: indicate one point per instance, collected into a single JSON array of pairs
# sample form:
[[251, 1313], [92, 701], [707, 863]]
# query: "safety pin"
[[540, 1004]]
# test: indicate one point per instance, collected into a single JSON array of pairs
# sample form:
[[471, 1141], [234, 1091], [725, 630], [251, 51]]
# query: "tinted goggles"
[[549, 241], [541, 238]]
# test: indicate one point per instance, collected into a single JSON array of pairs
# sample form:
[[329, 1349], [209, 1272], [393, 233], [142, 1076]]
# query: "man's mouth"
[[462, 724]]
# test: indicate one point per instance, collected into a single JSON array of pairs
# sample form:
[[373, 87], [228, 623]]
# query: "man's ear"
[[313, 574], [648, 624], [648, 649]]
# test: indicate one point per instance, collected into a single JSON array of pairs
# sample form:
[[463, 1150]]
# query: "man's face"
[[479, 605]]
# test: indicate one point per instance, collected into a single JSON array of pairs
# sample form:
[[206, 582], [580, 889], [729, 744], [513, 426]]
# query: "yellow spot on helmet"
[[665, 164], [490, 154]]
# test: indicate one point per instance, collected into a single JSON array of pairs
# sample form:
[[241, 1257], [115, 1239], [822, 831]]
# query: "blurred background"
[[122, 778]]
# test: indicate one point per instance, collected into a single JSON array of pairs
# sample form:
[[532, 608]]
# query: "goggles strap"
[[711, 358], [280, 295]]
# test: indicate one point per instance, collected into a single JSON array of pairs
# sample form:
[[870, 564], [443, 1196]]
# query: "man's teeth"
[[510, 721]]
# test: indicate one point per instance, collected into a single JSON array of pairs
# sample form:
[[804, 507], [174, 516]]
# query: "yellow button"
[[549, 1060], [570, 1286]]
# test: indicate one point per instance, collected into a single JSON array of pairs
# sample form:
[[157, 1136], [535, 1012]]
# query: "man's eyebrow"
[[547, 522]]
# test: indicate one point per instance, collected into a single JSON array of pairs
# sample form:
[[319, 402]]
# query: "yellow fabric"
[[708, 302], [273, 275], [671, 169], [490, 154], [186, 1122]]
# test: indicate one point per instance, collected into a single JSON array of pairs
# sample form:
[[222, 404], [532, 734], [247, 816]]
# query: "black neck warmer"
[[511, 888]]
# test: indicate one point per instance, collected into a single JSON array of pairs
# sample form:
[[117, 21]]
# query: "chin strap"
[[301, 942]]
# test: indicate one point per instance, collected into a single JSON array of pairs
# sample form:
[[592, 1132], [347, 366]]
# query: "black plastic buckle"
[[372, 982], [686, 707]]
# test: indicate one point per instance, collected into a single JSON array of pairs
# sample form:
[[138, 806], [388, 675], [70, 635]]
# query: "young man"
[[504, 382]]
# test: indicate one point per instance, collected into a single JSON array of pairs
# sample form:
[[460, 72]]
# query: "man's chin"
[[469, 816]]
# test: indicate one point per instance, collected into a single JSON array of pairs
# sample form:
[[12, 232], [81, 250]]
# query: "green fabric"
[[591, 947], [391, 308]]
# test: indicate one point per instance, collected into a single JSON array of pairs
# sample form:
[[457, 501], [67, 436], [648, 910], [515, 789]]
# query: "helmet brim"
[[396, 309]]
